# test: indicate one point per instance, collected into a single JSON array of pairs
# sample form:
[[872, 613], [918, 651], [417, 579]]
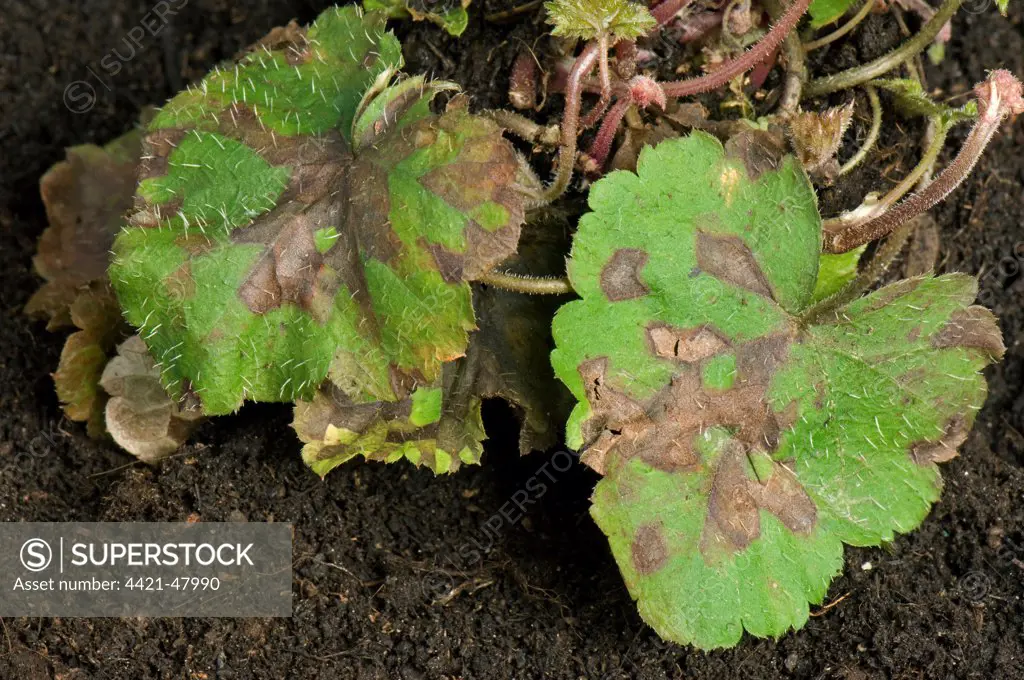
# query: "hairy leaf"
[[439, 426], [140, 416], [588, 19], [740, 444], [451, 15], [912, 100], [835, 271], [299, 218]]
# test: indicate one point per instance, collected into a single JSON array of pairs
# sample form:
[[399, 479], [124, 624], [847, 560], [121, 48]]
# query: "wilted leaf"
[[742, 445], [912, 100], [589, 19], [97, 316], [816, 137], [85, 197], [140, 416], [300, 219], [451, 15], [439, 426]]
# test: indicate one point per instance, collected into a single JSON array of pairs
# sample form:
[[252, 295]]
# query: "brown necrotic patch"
[[287, 270], [974, 327], [738, 496], [620, 277], [946, 448], [649, 550], [729, 259], [688, 345]]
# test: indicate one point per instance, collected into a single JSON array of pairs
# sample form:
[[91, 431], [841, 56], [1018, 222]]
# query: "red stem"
[[594, 114], [606, 133], [998, 97], [748, 60], [570, 120]]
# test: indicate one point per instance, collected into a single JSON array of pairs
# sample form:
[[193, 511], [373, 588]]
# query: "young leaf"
[[741, 445], [912, 100], [450, 15], [588, 19], [300, 219], [835, 271]]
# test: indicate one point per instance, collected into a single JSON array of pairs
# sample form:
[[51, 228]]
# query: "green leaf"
[[835, 271], [450, 15], [1003, 5], [912, 100], [741, 446], [826, 11], [589, 19], [299, 219]]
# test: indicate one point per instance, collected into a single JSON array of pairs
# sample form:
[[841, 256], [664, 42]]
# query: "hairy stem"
[[667, 11], [582, 67], [746, 61], [524, 128], [998, 97], [606, 134], [842, 30], [873, 132], [865, 72], [530, 285], [604, 70]]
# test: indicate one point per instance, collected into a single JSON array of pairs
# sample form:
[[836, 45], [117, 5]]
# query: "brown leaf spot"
[[649, 549], [688, 345], [291, 39], [736, 499], [729, 259], [620, 277], [974, 327], [449, 263], [287, 270], [945, 449], [758, 150]]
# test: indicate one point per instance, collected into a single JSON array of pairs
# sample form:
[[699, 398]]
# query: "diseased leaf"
[[97, 316], [589, 19], [912, 100], [439, 426], [740, 444], [298, 218], [85, 197], [140, 416], [816, 138], [451, 15]]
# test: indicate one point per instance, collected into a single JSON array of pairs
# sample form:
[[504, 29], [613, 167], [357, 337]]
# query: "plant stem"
[[865, 72], [606, 134], [842, 30], [873, 132], [998, 97], [523, 127], [530, 285], [667, 11], [748, 60], [606, 84], [582, 67], [796, 66]]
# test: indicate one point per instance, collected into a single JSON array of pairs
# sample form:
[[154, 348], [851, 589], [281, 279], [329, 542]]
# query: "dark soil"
[[376, 546]]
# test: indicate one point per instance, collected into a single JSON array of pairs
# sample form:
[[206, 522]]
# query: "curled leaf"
[[451, 15], [300, 218], [140, 416], [740, 445], [816, 137], [85, 197]]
